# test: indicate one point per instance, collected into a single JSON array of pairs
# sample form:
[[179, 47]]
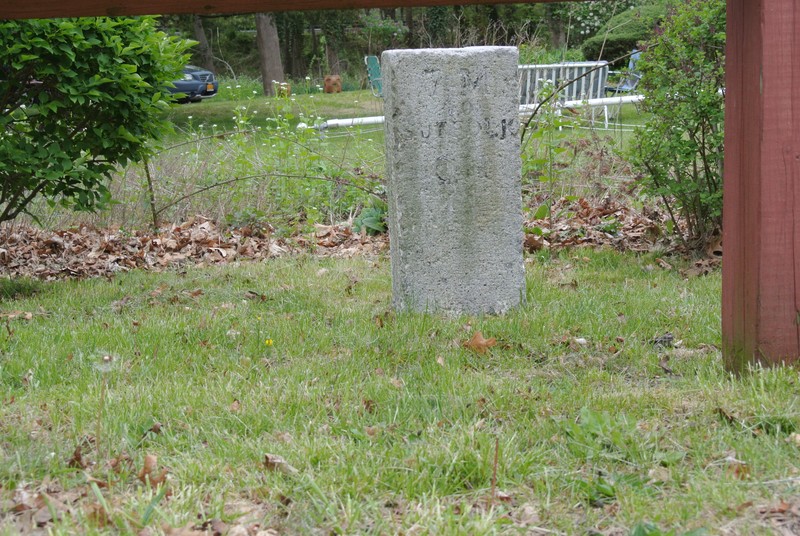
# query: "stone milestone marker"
[[454, 177]]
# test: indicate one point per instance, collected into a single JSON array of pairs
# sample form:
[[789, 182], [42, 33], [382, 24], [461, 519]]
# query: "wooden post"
[[761, 218]]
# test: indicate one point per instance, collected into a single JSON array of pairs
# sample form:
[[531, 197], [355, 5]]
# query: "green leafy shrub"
[[623, 32], [77, 98], [680, 149]]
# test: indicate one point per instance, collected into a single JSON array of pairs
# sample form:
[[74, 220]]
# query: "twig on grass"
[[790, 480], [494, 469], [152, 194]]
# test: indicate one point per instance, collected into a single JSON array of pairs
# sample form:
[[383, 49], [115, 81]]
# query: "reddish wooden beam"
[[761, 237], [41, 9]]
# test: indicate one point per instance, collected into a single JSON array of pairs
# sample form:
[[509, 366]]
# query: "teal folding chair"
[[631, 77], [374, 75]]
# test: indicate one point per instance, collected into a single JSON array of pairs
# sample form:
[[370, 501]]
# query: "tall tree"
[[335, 25], [292, 26], [203, 47], [269, 51]]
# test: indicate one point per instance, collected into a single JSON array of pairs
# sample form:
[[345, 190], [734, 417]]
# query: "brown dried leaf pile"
[[604, 223], [89, 252]]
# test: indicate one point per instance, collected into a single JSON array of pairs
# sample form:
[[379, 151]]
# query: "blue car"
[[197, 84]]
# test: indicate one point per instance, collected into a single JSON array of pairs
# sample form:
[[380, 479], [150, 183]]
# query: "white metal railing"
[[534, 78]]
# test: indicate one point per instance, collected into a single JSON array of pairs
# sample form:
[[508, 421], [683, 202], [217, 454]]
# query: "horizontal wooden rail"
[[43, 9]]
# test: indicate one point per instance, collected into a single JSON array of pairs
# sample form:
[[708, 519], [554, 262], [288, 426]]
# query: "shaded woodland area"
[[295, 45]]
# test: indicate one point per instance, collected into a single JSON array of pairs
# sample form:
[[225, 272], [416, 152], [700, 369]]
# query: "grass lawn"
[[326, 105], [387, 423]]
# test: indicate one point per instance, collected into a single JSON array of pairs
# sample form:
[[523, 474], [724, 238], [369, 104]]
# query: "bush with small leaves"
[[79, 97], [679, 151]]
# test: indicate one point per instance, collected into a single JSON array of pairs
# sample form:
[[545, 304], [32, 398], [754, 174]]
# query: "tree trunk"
[[411, 36], [332, 56], [558, 35], [269, 52], [203, 48], [296, 61]]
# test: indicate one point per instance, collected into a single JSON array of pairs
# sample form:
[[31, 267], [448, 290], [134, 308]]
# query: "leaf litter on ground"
[[88, 251]]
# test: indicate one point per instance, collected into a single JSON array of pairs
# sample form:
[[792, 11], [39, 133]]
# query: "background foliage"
[[623, 32], [315, 43]]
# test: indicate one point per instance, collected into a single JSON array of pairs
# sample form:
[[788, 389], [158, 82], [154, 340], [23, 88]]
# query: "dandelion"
[[268, 342], [105, 363]]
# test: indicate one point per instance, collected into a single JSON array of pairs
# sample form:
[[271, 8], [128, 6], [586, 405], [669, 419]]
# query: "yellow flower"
[[268, 342]]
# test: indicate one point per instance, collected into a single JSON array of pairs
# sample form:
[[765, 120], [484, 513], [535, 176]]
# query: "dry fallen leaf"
[[120, 462], [99, 483], [77, 460], [663, 364], [739, 470], [97, 515], [253, 295], [235, 406], [663, 264], [477, 343], [502, 496], [148, 472], [397, 382], [781, 508], [369, 405], [273, 462], [533, 243], [440, 360]]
